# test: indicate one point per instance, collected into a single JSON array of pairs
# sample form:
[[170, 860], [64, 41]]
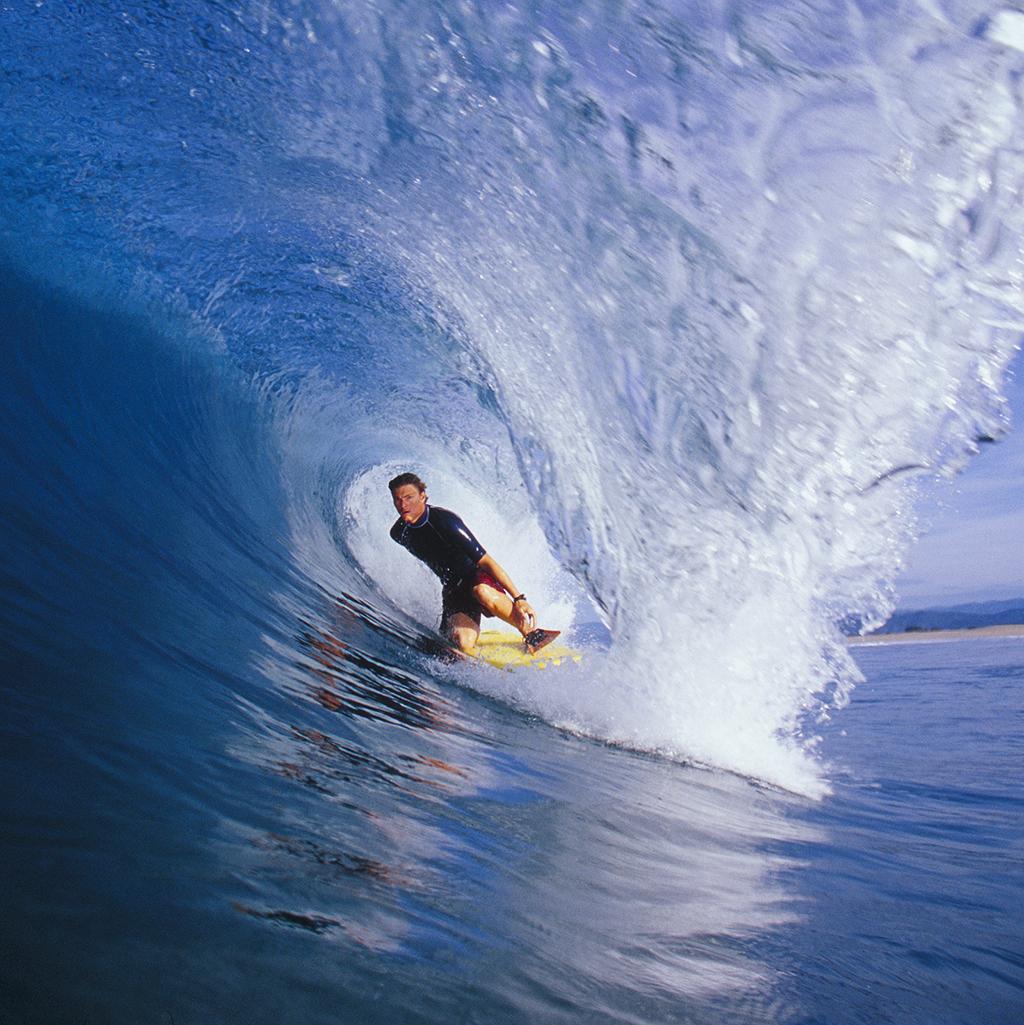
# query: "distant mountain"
[[953, 617]]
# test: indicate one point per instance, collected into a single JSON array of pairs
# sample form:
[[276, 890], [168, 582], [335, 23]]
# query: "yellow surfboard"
[[505, 650]]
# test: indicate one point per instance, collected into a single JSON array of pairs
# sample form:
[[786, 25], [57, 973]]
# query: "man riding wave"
[[473, 584]]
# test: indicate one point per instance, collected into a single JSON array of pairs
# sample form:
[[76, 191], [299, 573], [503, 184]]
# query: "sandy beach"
[[927, 636]]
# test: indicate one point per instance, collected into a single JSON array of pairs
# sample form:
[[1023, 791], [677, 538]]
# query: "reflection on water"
[[431, 825]]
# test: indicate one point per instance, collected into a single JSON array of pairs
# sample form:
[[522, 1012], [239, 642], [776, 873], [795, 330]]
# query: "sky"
[[973, 549]]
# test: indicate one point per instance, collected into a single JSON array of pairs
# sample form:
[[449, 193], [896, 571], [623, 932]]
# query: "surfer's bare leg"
[[519, 614], [499, 604], [463, 632]]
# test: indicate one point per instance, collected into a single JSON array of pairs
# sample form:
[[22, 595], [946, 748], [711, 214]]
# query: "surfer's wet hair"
[[406, 478]]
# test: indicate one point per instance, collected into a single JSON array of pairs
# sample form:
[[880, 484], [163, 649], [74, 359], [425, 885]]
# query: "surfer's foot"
[[537, 639]]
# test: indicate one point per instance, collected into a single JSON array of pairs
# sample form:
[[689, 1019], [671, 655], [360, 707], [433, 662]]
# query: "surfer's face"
[[409, 501]]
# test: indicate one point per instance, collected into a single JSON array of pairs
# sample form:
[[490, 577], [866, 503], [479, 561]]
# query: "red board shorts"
[[460, 598]]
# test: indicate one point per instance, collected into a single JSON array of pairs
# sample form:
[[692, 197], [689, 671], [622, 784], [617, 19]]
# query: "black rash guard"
[[441, 540]]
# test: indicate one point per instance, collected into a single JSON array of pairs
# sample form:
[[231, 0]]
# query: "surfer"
[[472, 582]]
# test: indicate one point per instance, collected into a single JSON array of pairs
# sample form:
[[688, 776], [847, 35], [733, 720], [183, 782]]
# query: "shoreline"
[[927, 636]]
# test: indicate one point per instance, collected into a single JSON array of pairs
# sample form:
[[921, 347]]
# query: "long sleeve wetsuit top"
[[441, 540]]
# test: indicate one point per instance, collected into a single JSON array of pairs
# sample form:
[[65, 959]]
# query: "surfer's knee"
[[487, 597], [466, 645], [464, 639]]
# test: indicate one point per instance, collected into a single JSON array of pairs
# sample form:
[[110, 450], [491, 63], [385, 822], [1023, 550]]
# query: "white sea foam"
[[1007, 27]]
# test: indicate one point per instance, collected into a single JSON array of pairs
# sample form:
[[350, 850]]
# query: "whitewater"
[[678, 305]]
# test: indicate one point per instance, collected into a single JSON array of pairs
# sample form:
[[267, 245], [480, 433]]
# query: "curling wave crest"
[[691, 296]]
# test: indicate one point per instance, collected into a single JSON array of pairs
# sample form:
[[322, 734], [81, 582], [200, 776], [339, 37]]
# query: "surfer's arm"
[[492, 566]]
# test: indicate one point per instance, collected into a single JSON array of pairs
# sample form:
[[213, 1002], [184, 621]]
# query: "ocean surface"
[[681, 306]]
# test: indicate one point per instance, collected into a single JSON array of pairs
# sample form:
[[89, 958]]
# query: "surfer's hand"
[[525, 617]]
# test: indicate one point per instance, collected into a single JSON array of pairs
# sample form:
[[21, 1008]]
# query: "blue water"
[[678, 306], [920, 870]]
